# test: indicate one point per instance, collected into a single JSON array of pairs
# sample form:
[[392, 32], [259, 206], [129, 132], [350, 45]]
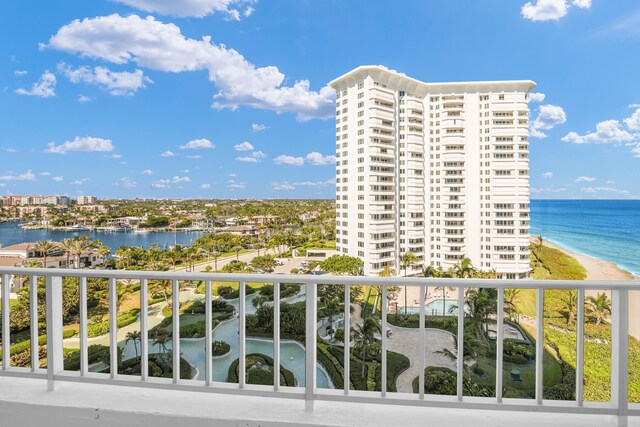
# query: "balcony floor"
[[26, 402]]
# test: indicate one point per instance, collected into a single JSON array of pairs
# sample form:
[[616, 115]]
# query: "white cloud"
[[257, 127], [198, 144], [549, 116], [536, 97], [26, 176], [205, 186], [550, 189], [147, 172], [57, 178], [317, 159], [585, 179], [606, 131], [289, 160], [194, 156], [233, 175], [547, 175], [330, 181], [8, 150], [636, 150], [633, 122], [125, 182], [116, 156], [81, 144], [244, 146], [83, 98], [551, 10], [20, 72], [255, 157], [235, 185], [45, 174], [79, 181], [167, 153], [192, 8], [44, 87], [606, 190], [167, 183], [152, 44], [282, 186], [116, 83]]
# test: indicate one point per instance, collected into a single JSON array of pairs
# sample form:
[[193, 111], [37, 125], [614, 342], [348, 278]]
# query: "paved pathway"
[[407, 341]]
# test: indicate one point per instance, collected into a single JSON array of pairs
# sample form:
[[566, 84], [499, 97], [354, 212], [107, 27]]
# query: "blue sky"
[[229, 98]]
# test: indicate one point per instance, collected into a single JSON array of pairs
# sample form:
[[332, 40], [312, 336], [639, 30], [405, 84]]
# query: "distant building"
[[87, 200]]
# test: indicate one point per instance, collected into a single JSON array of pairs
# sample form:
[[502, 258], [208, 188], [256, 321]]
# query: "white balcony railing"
[[618, 406]]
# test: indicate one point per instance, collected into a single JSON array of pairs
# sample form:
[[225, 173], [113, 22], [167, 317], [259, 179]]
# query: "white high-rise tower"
[[437, 169]]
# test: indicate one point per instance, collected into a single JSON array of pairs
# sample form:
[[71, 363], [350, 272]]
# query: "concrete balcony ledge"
[[25, 402]]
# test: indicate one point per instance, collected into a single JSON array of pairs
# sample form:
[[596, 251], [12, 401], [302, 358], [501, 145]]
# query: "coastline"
[[598, 269]]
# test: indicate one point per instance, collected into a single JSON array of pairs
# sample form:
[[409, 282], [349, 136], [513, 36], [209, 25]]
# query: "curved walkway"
[[406, 341]]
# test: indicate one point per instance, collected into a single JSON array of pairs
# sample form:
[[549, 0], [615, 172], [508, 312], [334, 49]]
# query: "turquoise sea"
[[604, 229]]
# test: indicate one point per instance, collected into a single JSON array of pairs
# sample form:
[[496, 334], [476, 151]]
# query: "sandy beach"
[[598, 269]]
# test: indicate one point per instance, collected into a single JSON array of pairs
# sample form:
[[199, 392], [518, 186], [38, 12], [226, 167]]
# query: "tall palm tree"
[[134, 336], [216, 254], [387, 271], [79, 246], [161, 339], [569, 301], [237, 249], [67, 246], [365, 335], [45, 247], [407, 260], [510, 299], [464, 269], [599, 307]]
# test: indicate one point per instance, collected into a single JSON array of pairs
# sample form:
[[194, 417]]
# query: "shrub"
[[255, 377], [220, 348]]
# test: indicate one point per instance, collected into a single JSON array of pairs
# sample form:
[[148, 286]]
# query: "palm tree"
[[44, 247], [387, 271], [510, 298], [161, 339], [599, 307], [134, 336], [216, 254], [173, 257], [569, 301], [464, 269], [407, 260], [78, 247], [237, 249], [67, 246], [472, 349], [365, 335]]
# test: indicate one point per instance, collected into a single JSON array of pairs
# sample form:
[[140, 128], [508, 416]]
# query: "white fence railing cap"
[[632, 285]]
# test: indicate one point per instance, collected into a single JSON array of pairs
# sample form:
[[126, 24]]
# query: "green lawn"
[[556, 266]]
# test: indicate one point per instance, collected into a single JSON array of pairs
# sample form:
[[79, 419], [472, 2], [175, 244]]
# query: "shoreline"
[[596, 268]]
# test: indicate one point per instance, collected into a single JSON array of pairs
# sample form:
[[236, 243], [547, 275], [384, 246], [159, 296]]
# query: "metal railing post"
[[620, 354], [6, 330], [54, 329], [310, 347]]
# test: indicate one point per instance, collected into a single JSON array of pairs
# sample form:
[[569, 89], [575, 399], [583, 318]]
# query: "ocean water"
[[604, 229], [11, 234]]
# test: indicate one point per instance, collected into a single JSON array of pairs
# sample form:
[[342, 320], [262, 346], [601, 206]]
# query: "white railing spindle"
[[580, 349], [6, 327], [460, 370], [311, 344], [113, 327], [208, 324], [175, 340], [54, 329], [422, 342], [276, 336], [84, 348], [144, 329], [33, 306], [499, 344], [620, 354], [347, 338], [242, 373], [383, 312], [539, 345]]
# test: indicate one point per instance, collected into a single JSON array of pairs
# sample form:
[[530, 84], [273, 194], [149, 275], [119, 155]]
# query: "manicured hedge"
[[228, 292], [102, 328], [160, 365], [263, 378], [220, 348]]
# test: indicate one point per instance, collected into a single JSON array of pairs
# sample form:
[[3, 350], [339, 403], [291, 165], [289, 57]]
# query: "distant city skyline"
[[230, 98]]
